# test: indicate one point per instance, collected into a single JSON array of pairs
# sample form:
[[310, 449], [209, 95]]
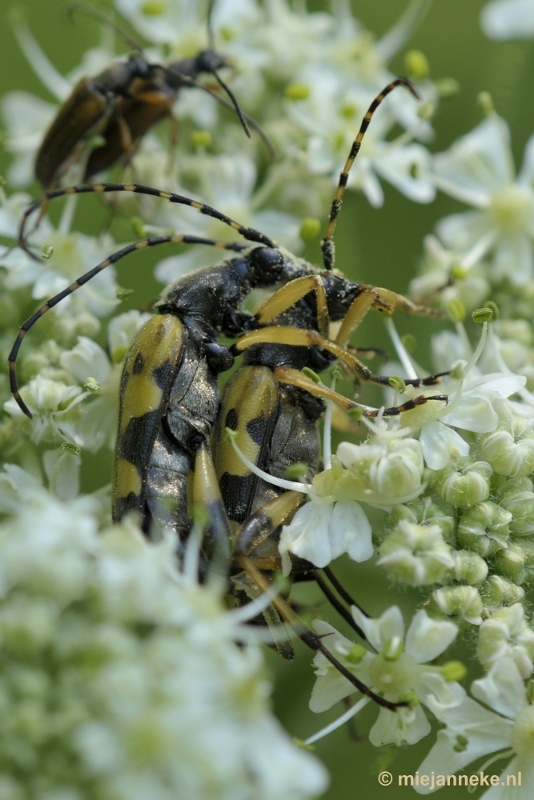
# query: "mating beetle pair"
[[120, 105], [169, 398]]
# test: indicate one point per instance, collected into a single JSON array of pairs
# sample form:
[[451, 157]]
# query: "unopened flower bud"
[[513, 457], [453, 671], [415, 554], [383, 472], [466, 487], [498, 592], [484, 314], [297, 91], [423, 512], [356, 654], [469, 567], [456, 311], [461, 602], [517, 496], [510, 563], [507, 634], [484, 528], [309, 229], [416, 64]]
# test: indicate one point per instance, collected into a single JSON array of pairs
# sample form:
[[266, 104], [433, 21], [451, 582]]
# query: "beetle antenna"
[[235, 104], [186, 79], [236, 247], [89, 11], [327, 244], [251, 234]]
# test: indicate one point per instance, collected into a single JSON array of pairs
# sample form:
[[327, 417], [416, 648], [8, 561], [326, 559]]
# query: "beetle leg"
[[291, 293], [309, 638], [207, 495], [297, 378]]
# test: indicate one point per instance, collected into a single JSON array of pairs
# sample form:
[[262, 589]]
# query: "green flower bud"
[[507, 634], [309, 229], [509, 455], [460, 602], [465, 487], [415, 554], [517, 496], [469, 567], [456, 311], [481, 315], [296, 472], [381, 472], [511, 564], [453, 671], [498, 592], [459, 273], [397, 383], [484, 528], [423, 512], [356, 654], [416, 64], [409, 697], [201, 139], [153, 8], [297, 91], [71, 448]]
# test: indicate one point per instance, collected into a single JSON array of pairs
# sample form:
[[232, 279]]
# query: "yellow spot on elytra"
[[159, 342], [127, 479], [252, 395]]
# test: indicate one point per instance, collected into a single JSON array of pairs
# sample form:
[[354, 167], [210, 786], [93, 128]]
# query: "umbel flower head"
[[121, 677]]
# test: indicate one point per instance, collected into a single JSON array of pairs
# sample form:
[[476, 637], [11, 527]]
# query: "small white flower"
[[473, 731], [478, 170], [508, 19], [321, 531], [399, 668]]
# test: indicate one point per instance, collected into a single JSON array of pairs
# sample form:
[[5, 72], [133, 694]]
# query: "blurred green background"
[[380, 246]]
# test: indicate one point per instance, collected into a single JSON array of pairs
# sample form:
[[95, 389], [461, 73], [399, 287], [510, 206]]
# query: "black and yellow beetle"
[[169, 397], [120, 105]]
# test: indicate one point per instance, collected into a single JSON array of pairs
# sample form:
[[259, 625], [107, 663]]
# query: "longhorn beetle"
[[121, 104], [169, 399]]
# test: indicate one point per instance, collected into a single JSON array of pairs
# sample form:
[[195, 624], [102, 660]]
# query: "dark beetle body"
[[169, 398], [276, 422], [120, 104]]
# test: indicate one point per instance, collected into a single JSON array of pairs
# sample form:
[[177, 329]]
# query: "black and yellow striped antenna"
[[327, 244]]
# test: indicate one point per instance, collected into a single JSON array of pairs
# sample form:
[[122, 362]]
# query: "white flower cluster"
[[121, 675]]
